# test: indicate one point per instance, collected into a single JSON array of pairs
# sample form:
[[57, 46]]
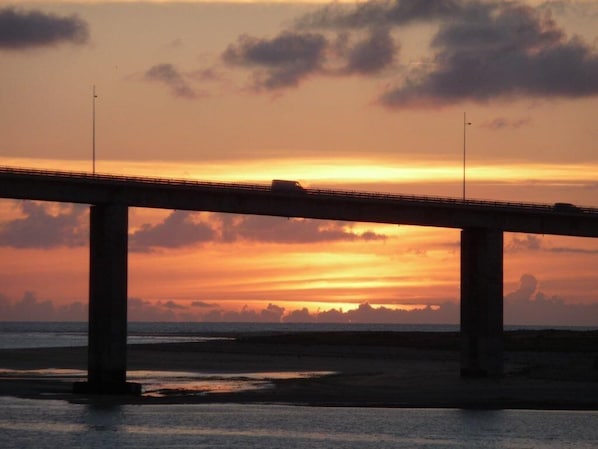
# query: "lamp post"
[[465, 124], [93, 144]]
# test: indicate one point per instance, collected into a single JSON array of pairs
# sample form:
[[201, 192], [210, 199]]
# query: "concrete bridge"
[[482, 223]]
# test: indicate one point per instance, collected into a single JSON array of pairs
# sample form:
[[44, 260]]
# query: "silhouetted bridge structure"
[[482, 223]]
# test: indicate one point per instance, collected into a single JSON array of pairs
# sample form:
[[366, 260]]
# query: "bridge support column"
[[107, 334], [481, 302]]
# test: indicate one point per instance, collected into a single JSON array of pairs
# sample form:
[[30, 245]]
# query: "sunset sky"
[[366, 96]]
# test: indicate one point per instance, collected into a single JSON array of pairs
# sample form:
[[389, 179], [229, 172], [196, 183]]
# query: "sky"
[[380, 96]]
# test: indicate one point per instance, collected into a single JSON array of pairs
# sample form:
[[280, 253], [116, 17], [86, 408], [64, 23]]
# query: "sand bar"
[[543, 370]]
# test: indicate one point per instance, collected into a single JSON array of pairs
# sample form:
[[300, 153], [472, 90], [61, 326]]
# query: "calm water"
[[53, 424], [61, 334]]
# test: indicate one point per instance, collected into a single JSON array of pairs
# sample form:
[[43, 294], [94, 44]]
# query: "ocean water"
[[62, 334], [56, 424]]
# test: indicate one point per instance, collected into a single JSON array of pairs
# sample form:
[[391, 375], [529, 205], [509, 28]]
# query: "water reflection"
[[35, 424], [103, 417], [168, 383]]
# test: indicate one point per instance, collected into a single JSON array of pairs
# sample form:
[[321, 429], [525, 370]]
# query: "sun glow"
[[314, 172]]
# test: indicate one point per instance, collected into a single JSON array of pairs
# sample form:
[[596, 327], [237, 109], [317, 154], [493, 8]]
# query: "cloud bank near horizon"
[[527, 305]]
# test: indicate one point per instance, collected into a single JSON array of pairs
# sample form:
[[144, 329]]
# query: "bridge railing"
[[349, 194]]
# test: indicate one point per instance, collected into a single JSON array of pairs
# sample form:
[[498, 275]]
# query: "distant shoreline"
[[543, 370]]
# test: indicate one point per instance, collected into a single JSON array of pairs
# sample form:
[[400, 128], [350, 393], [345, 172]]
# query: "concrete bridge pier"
[[481, 302], [107, 344]]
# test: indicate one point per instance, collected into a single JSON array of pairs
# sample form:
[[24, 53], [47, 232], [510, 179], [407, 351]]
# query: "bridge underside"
[[481, 302]]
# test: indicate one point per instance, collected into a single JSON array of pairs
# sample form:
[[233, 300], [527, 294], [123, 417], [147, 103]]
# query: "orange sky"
[[254, 91]]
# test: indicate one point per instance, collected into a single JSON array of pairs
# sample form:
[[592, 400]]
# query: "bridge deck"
[[87, 188]]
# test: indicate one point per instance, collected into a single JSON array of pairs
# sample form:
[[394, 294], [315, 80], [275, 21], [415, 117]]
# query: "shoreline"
[[550, 370]]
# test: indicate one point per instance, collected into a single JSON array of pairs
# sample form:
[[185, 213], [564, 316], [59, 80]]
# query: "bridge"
[[482, 225]]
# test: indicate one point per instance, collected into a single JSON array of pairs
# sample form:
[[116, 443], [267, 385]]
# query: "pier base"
[[481, 302]]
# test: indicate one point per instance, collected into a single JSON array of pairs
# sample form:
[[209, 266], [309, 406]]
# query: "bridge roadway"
[[482, 223]]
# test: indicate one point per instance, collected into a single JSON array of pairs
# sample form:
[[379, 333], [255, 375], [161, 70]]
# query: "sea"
[[51, 423]]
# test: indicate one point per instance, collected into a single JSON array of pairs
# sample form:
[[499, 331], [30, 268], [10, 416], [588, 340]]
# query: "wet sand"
[[542, 370]]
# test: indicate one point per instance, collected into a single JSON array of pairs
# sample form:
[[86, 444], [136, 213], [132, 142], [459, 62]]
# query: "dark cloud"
[[524, 306], [527, 287], [526, 242], [169, 75], [380, 13], [177, 230], [30, 308], [500, 50], [300, 316], [142, 310], [481, 51], [170, 304], [203, 304], [181, 228], [28, 29], [283, 230], [372, 54], [271, 314], [528, 305], [69, 226], [446, 313], [283, 61], [500, 123], [564, 249], [41, 229], [534, 243]]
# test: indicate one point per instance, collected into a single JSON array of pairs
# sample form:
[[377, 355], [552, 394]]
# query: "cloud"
[[283, 230], [528, 305], [482, 51], [500, 123], [49, 226], [30, 308], [527, 287], [524, 306], [177, 230], [370, 55], [271, 314], [535, 243], [21, 30], [500, 50], [182, 228], [283, 61], [380, 13], [171, 77], [143, 310], [526, 243], [203, 304], [41, 229], [171, 305]]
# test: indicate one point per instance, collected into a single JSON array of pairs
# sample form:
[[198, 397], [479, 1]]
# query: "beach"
[[545, 369]]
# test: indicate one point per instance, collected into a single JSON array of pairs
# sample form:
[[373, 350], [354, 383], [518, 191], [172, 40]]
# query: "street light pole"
[[94, 130], [465, 124]]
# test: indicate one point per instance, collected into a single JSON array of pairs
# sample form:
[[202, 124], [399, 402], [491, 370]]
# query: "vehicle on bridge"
[[565, 207], [286, 186]]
